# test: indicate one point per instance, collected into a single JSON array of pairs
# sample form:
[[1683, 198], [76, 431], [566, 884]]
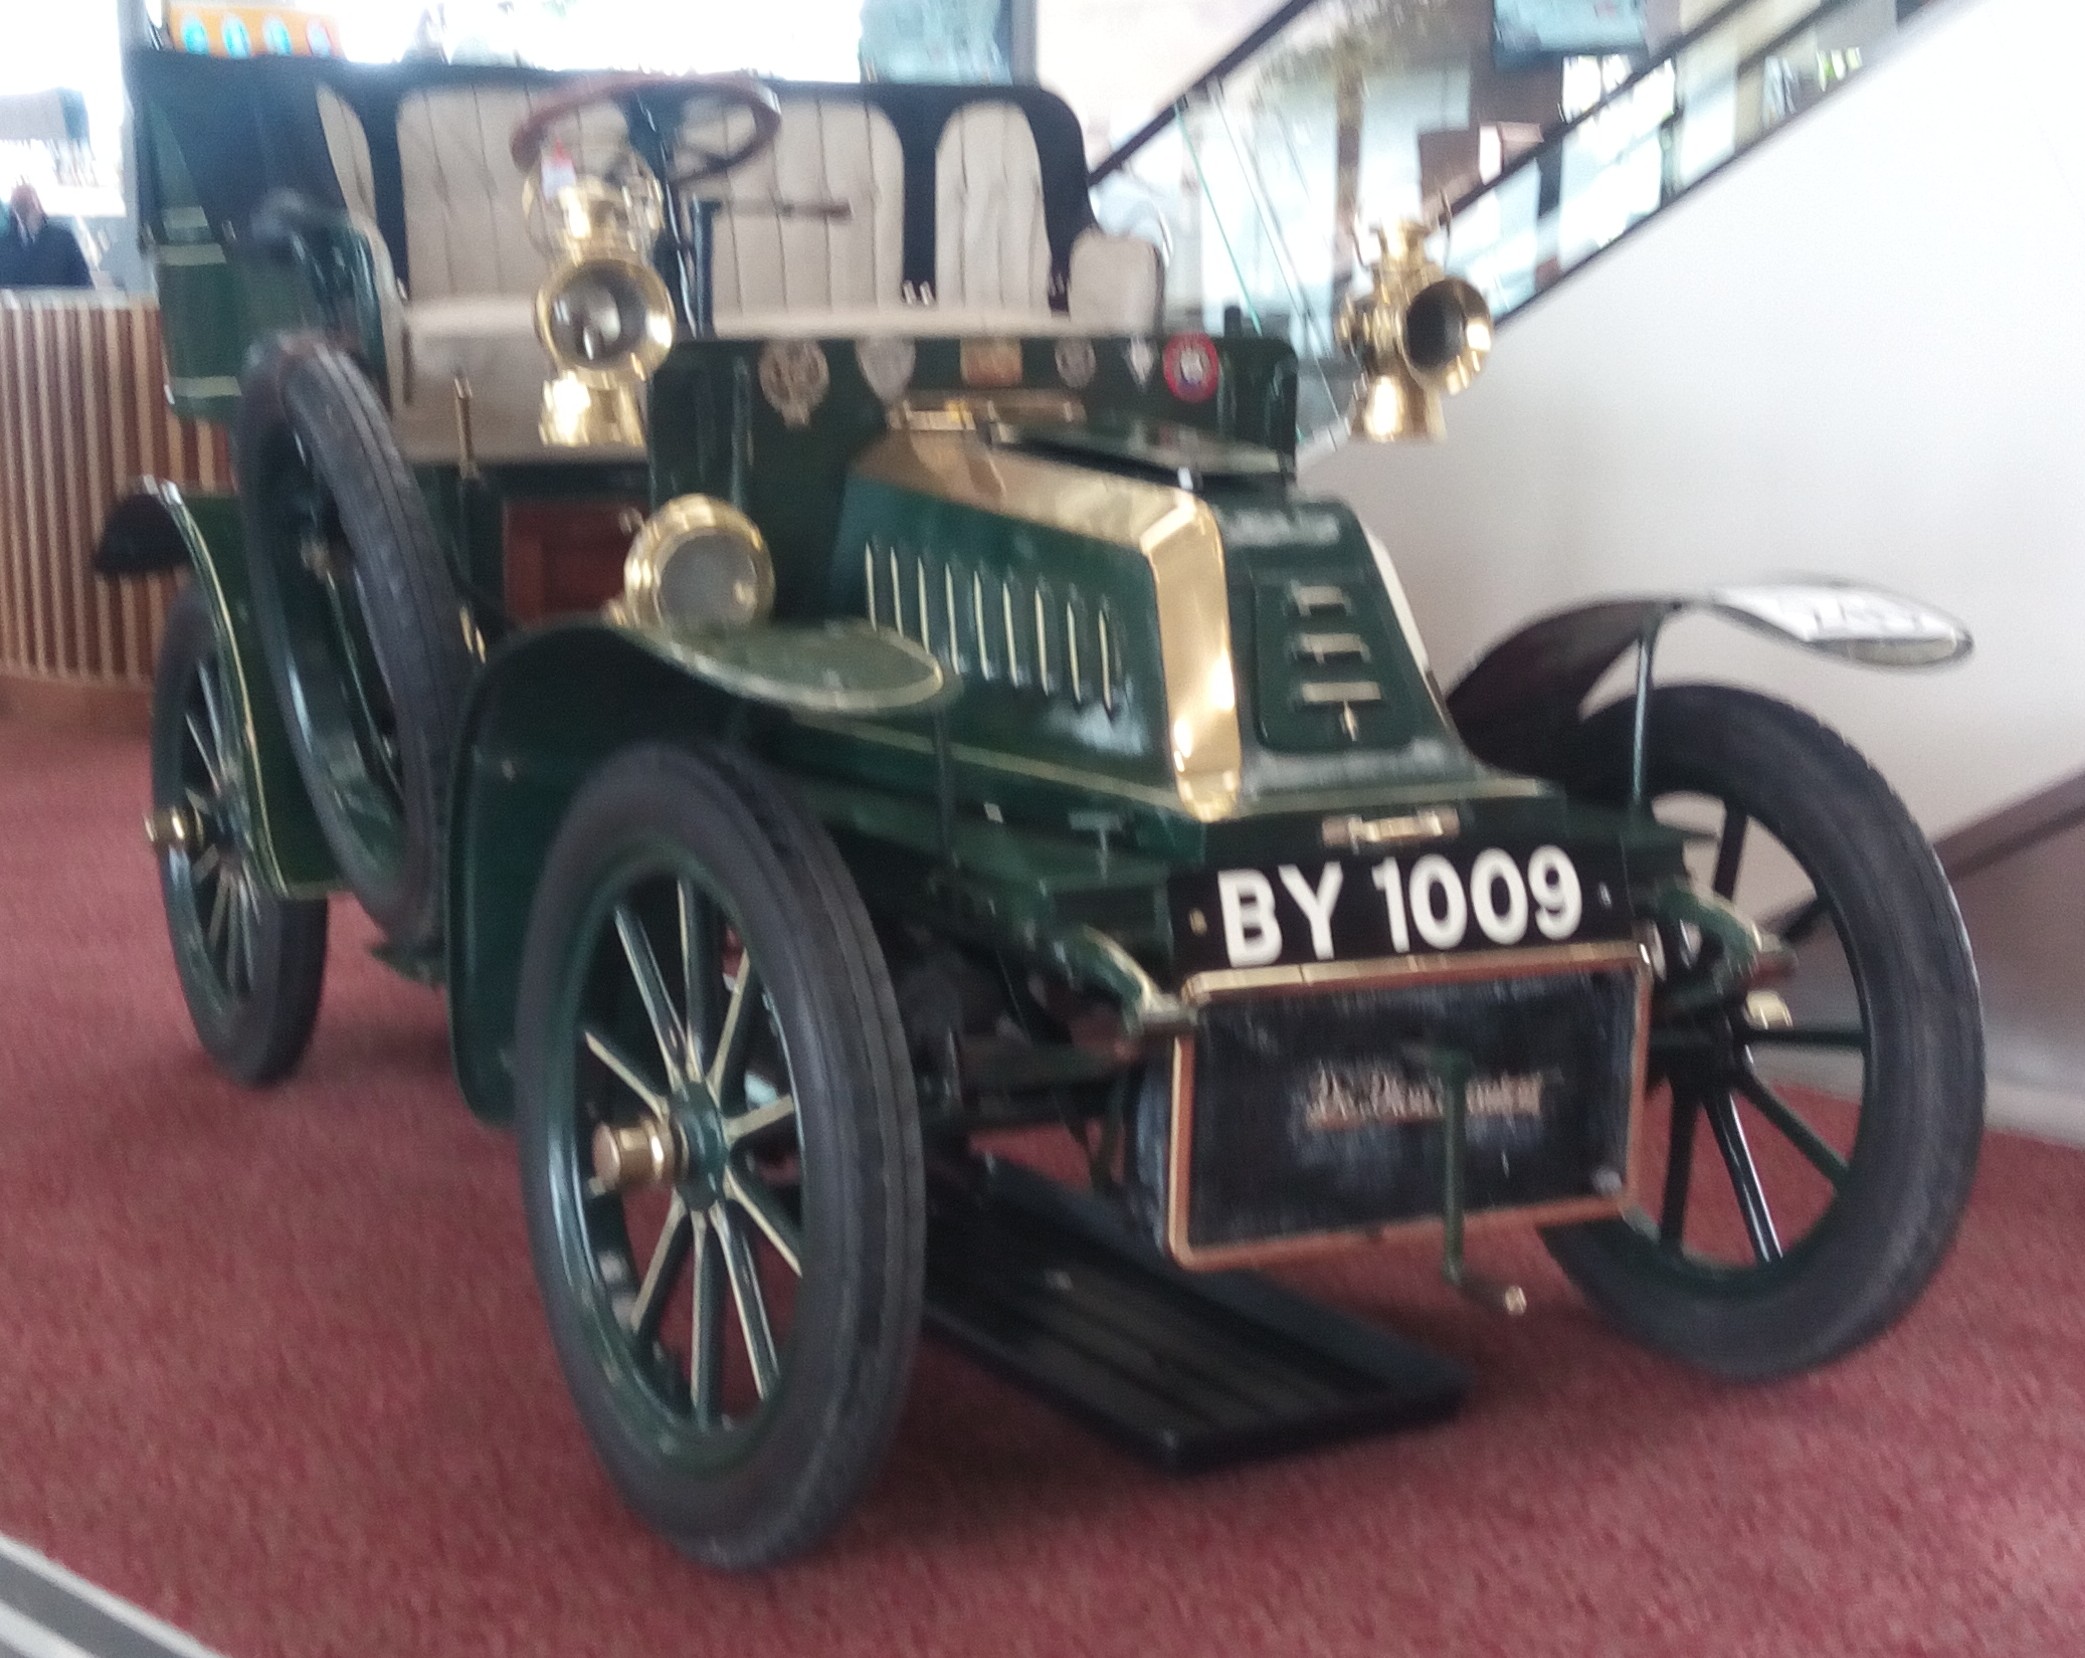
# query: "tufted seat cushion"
[[489, 342]]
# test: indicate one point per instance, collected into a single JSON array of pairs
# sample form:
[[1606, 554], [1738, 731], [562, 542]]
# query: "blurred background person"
[[36, 253]]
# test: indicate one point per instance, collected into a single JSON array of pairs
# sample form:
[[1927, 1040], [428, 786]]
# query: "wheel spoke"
[[246, 920], [220, 907], [1730, 850], [213, 707], [667, 1256], [1679, 1171], [752, 1195], [204, 864], [235, 931], [751, 1300], [706, 1331], [1853, 1037], [1744, 1176], [727, 1071], [207, 752], [617, 1061], [1783, 1116], [651, 987], [698, 941], [760, 1119]]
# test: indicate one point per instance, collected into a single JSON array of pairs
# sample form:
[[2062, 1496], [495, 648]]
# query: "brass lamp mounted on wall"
[[1419, 334], [605, 316]]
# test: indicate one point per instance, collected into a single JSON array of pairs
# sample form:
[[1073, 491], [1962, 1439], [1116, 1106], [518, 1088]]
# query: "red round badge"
[[1192, 367]]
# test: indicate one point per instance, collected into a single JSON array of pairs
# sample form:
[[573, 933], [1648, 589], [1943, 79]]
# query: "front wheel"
[[251, 962], [720, 1153], [1814, 1142]]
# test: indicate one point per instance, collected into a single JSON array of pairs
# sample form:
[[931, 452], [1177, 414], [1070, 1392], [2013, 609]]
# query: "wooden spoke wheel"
[[251, 962], [1813, 1140], [720, 1154]]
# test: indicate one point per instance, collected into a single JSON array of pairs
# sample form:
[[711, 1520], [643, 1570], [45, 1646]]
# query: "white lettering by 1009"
[[1429, 903]]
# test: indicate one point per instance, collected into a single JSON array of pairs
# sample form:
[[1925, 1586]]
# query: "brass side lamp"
[[1419, 334], [605, 316]]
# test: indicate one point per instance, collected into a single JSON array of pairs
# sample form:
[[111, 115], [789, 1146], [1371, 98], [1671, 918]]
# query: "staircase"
[[1336, 114]]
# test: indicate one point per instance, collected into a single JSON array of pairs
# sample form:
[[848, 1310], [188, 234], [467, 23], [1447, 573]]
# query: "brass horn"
[[1419, 335]]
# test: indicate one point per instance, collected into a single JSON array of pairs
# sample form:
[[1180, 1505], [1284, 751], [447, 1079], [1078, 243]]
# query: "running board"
[[1052, 1290]]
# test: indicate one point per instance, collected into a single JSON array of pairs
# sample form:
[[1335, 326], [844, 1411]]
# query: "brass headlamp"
[[697, 565], [605, 316], [1419, 334]]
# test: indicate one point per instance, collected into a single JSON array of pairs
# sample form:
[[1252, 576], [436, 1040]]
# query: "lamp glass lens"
[[598, 316], [711, 579]]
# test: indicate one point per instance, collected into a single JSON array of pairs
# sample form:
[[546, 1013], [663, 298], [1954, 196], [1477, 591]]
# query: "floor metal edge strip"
[[49, 1612]]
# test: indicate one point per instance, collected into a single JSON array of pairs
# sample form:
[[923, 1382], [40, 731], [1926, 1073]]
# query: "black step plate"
[[1192, 1371]]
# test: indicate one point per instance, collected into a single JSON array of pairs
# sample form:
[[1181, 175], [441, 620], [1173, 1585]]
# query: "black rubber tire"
[[256, 1030], [863, 1209], [1875, 1248], [308, 412]]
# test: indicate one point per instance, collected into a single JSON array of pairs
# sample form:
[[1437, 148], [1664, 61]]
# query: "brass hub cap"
[[635, 1155], [689, 1149]]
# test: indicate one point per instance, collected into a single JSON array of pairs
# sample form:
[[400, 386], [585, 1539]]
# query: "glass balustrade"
[[1528, 158]]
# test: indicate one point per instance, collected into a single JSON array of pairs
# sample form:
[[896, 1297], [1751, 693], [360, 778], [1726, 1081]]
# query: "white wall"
[[1860, 351]]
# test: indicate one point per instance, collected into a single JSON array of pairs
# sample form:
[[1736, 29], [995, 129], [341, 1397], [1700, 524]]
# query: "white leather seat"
[[809, 243], [817, 221]]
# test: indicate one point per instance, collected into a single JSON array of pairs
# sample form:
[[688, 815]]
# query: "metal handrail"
[[1267, 28], [1556, 139]]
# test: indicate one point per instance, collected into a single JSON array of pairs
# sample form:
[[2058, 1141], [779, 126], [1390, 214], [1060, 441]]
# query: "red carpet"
[[274, 1369]]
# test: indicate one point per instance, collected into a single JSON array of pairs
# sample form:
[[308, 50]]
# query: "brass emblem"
[[1193, 367], [794, 377], [887, 366], [1076, 363], [991, 362], [1141, 357]]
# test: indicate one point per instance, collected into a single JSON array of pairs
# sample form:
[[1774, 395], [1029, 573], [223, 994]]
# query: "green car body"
[[1150, 817]]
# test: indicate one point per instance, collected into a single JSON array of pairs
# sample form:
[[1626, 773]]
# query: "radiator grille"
[[1031, 633]]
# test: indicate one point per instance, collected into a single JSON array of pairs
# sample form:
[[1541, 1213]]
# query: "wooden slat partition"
[[83, 411]]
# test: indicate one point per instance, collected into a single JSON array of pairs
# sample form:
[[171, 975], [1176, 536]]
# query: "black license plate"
[[1441, 900]]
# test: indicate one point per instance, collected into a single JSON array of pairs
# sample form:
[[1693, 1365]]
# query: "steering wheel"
[[727, 91]]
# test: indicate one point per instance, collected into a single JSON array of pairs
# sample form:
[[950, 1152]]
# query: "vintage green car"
[[753, 592]]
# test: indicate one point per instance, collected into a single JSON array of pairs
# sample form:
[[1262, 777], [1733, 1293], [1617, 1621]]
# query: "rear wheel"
[[251, 963], [1814, 1143], [720, 1154], [362, 622]]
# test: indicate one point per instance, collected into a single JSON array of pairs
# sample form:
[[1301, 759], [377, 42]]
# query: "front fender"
[[1518, 705], [549, 708], [156, 528]]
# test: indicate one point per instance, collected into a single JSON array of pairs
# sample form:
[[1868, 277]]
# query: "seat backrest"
[[863, 188], [465, 234], [464, 229], [991, 245], [817, 222]]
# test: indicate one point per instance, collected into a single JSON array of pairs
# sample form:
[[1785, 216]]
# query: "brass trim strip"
[[203, 385], [1172, 530], [1564, 1211], [1323, 693], [1049, 771], [1045, 771], [1228, 983]]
